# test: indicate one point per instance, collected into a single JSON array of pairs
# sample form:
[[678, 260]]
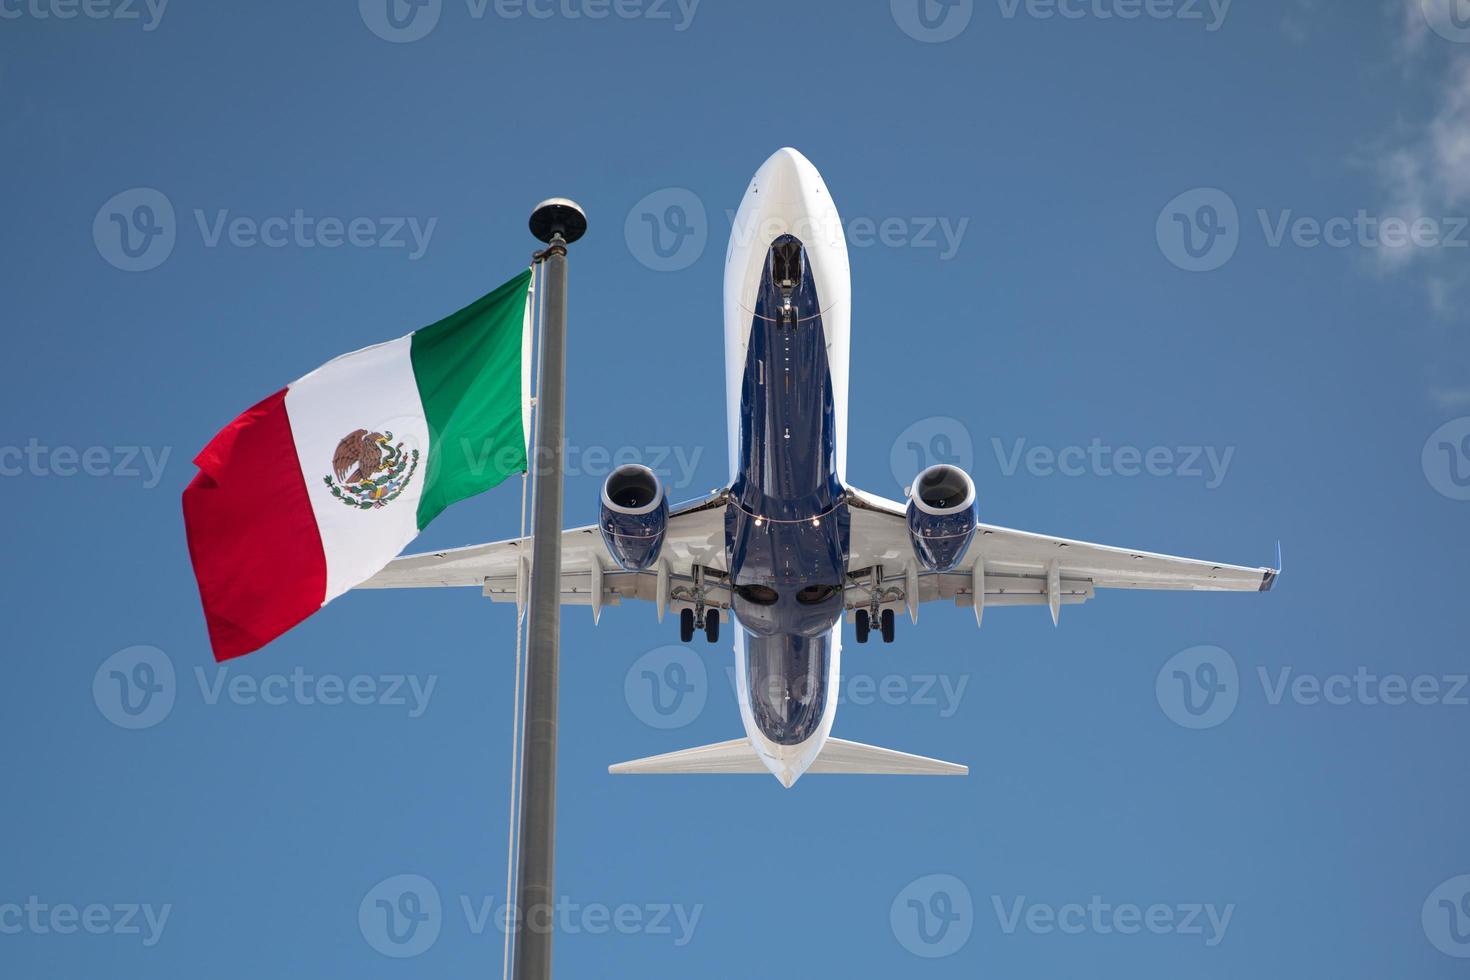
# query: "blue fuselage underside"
[[786, 527]]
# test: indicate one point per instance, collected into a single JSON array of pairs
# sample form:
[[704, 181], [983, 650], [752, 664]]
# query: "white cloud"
[[1415, 28], [1427, 174]]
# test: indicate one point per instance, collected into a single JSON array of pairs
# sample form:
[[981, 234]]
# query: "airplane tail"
[[839, 757]]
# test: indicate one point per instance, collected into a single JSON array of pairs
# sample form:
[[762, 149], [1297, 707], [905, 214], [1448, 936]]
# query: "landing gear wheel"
[[686, 625], [887, 622], [863, 625], [712, 625]]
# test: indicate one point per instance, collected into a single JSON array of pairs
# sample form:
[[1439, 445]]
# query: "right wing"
[[693, 546], [1007, 567]]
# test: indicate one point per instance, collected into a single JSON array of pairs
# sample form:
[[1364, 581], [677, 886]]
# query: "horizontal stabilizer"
[[841, 756], [838, 757]]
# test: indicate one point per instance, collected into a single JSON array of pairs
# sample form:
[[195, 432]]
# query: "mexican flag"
[[319, 486]]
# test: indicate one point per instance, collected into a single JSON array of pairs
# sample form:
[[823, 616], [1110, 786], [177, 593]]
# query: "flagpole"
[[557, 222]]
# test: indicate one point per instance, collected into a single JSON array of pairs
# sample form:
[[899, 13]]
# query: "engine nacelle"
[[635, 515], [942, 516]]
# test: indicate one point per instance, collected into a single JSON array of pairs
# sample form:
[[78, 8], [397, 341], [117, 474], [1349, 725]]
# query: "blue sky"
[[1173, 276]]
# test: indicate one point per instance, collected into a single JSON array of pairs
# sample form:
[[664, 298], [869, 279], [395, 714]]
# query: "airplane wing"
[[1005, 567], [693, 557]]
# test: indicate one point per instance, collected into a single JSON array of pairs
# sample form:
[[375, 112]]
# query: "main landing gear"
[[705, 618], [708, 621], [865, 624], [872, 616]]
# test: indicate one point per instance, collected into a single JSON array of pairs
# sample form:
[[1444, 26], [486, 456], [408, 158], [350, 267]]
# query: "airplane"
[[789, 551]]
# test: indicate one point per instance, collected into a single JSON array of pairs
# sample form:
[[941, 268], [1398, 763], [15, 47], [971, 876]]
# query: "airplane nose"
[[788, 197], [785, 175], [789, 158]]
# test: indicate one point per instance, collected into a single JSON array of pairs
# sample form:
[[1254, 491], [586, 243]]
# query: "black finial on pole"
[[558, 216]]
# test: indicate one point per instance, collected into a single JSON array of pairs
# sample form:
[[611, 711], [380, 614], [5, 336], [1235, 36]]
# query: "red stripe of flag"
[[252, 536]]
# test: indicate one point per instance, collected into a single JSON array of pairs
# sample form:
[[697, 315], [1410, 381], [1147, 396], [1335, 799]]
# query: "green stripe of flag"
[[468, 370]]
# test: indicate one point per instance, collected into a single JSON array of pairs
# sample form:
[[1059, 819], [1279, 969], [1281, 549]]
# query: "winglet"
[[1268, 581]]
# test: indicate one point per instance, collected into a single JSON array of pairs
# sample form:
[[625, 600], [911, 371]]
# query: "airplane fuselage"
[[787, 309]]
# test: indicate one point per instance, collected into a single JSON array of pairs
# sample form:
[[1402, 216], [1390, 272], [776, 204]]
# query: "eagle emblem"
[[370, 470]]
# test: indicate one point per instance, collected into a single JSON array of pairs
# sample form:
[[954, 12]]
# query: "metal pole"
[[557, 222]]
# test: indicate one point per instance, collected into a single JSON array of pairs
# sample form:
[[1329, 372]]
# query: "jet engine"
[[942, 516], [635, 515]]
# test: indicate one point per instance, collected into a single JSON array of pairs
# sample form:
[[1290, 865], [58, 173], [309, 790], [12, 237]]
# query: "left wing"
[[692, 560], [1005, 567]]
